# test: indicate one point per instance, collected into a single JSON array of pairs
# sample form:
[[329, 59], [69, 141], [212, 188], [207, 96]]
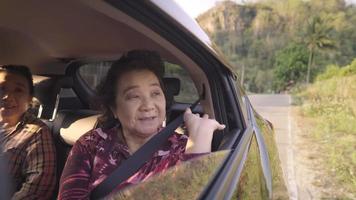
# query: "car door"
[[244, 168]]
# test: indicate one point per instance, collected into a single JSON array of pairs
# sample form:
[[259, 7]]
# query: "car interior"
[[69, 116], [69, 46]]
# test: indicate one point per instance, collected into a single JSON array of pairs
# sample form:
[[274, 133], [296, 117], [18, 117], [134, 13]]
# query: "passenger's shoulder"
[[32, 124]]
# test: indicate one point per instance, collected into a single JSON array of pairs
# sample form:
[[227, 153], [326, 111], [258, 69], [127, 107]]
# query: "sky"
[[196, 7]]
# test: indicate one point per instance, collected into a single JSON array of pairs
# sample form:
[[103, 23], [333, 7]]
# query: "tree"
[[290, 66], [317, 38]]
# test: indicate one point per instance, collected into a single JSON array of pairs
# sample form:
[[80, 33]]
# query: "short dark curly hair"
[[131, 61], [21, 70]]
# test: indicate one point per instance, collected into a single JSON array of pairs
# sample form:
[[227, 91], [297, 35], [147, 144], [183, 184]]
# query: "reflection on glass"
[[184, 181], [279, 189], [252, 184]]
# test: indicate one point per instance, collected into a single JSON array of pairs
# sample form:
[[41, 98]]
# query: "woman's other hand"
[[200, 130]]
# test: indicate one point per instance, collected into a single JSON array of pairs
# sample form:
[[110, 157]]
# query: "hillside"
[[227, 16], [257, 39]]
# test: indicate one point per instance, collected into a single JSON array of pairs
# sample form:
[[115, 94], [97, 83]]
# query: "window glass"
[[184, 181], [242, 98], [251, 184], [188, 92], [94, 73]]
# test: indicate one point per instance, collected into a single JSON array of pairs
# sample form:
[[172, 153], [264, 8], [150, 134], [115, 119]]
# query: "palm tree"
[[317, 38]]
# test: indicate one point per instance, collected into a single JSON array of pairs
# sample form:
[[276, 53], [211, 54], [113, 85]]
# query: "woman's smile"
[[147, 118]]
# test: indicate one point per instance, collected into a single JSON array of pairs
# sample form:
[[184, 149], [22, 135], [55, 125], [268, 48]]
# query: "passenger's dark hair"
[[21, 70], [134, 60]]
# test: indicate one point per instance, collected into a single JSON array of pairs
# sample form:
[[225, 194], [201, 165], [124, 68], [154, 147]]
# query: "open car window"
[[93, 73], [184, 181]]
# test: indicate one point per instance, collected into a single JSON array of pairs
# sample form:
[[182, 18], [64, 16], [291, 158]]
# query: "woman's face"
[[15, 97], [140, 103]]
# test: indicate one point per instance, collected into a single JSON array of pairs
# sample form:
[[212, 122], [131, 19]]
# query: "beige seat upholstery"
[[77, 128]]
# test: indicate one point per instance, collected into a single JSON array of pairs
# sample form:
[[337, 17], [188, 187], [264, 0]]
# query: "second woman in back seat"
[[134, 110]]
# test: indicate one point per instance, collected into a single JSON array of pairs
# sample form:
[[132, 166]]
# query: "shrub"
[[336, 71], [331, 71], [349, 69], [331, 103]]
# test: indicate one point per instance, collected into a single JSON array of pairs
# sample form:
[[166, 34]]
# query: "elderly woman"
[[134, 110], [27, 142]]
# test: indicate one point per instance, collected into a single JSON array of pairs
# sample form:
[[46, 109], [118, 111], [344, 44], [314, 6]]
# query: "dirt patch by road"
[[313, 180]]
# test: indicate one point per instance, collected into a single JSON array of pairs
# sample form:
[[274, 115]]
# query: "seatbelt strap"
[[138, 159]]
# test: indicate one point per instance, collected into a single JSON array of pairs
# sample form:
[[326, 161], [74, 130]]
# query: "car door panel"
[[266, 136]]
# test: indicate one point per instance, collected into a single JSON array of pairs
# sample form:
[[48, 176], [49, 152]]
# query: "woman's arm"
[[200, 130], [74, 183]]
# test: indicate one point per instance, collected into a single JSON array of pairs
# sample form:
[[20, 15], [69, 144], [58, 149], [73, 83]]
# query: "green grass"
[[330, 104]]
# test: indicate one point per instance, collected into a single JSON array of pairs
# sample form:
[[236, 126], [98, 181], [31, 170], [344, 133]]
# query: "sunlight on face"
[[140, 103], [15, 97]]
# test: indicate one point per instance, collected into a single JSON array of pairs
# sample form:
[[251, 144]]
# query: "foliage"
[[290, 66], [252, 34], [333, 71], [317, 37], [349, 69], [331, 104]]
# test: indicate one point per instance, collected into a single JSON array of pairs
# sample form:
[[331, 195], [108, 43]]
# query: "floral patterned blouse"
[[98, 153]]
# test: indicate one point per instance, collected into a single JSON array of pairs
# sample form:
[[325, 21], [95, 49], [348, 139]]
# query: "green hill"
[[258, 37]]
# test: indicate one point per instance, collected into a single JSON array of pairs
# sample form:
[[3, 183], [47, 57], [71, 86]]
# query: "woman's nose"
[[147, 104]]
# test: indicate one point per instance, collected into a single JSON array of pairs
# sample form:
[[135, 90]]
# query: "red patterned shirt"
[[30, 153], [97, 153]]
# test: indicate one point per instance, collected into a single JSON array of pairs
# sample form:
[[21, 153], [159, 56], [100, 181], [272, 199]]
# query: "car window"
[[241, 98], [188, 92], [93, 73], [184, 181]]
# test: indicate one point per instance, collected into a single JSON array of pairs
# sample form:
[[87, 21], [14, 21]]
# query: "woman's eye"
[[156, 93], [133, 96]]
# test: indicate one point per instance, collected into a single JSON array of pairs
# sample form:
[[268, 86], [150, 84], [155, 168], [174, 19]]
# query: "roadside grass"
[[330, 105]]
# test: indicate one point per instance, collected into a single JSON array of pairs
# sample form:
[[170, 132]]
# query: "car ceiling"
[[41, 34]]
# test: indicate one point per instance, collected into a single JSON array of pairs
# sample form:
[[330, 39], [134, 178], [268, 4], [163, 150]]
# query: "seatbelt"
[[138, 159]]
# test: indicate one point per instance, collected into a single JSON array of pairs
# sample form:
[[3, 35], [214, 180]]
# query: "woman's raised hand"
[[200, 130]]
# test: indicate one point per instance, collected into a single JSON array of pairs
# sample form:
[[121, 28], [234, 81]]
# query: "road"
[[277, 109]]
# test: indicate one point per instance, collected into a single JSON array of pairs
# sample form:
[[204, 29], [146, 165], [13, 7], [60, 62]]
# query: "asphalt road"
[[276, 109]]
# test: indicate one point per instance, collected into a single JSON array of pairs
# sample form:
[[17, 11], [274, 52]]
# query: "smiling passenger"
[[134, 104], [26, 141]]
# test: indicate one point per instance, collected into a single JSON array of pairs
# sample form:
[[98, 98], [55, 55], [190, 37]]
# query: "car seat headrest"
[[172, 88], [46, 92], [64, 82]]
